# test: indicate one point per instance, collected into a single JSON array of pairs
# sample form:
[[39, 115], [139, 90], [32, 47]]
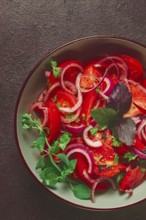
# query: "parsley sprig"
[[50, 172]]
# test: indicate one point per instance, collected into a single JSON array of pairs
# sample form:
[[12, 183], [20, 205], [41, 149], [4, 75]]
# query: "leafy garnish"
[[119, 178], [56, 70], [81, 191], [119, 102], [130, 156], [116, 142], [40, 163], [64, 140], [93, 131], [120, 99], [116, 159], [104, 116]]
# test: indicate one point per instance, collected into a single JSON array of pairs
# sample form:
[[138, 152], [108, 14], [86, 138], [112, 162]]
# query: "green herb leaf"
[[130, 156], [55, 147], [39, 142], [56, 70], [63, 158], [93, 131], [49, 176], [119, 178], [104, 116], [64, 140], [72, 164], [40, 163], [125, 130], [120, 99], [81, 191], [116, 159], [116, 142]]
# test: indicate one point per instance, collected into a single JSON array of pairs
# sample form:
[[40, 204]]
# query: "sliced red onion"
[[109, 86], [85, 153], [72, 146], [88, 178], [141, 130], [47, 74], [63, 71], [88, 141], [139, 153], [103, 95], [96, 182], [39, 105], [54, 86], [73, 118], [41, 96], [76, 128], [71, 86], [80, 98], [129, 191], [136, 119], [112, 58]]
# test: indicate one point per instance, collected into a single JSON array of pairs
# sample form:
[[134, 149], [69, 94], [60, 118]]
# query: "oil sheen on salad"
[[91, 123]]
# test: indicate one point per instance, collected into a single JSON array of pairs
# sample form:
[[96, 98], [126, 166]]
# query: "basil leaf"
[[120, 99], [81, 191], [124, 130], [104, 116]]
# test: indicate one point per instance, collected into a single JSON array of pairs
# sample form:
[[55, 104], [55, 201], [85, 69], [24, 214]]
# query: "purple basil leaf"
[[125, 130], [120, 99]]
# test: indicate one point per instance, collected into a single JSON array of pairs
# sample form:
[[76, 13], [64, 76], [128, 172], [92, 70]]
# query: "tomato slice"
[[81, 166], [139, 145], [89, 101], [89, 76], [54, 118], [65, 99], [132, 178], [104, 157], [136, 71], [72, 72]]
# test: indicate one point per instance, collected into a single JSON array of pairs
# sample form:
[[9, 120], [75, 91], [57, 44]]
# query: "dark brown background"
[[29, 29]]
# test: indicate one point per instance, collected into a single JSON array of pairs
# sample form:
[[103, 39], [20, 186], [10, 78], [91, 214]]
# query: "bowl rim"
[[37, 64]]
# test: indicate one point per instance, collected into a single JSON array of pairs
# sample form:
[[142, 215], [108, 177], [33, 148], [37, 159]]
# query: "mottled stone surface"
[[29, 29]]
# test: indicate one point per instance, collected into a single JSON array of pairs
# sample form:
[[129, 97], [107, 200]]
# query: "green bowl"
[[82, 49]]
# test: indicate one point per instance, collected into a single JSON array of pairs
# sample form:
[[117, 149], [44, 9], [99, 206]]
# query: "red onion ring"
[[41, 96], [141, 130], [54, 86], [47, 74], [63, 71], [96, 182], [139, 153], [80, 98], [111, 58], [39, 105], [75, 129], [109, 86], [83, 151], [72, 119], [86, 175], [71, 86], [88, 141]]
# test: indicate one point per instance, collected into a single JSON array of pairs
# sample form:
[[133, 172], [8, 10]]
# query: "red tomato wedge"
[[54, 121], [90, 75], [88, 103], [136, 71], [132, 178], [65, 99]]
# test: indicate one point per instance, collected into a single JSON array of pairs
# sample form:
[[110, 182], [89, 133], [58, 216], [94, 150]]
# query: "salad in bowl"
[[87, 128]]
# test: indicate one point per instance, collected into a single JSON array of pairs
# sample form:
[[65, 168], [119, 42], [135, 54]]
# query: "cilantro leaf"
[[116, 142], [120, 99], [116, 159], [130, 156], [64, 140], [81, 191], [56, 70], [49, 176], [125, 130], [63, 158], [119, 178], [93, 131], [104, 116], [39, 142]]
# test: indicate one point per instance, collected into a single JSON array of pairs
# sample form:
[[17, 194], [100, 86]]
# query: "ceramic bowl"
[[82, 49]]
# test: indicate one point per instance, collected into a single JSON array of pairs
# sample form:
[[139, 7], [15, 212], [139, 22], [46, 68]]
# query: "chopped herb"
[[116, 142], [58, 105], [143, 170], [119, 178], [116, 159], [69, 115], [77, 120], [83, 117], [97, 90], [130, 156], [54, 98], [93, 131], [56, 70]]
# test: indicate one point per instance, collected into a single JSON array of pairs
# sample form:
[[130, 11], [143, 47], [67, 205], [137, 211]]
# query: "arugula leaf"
[[81, 191], [41, 163], [125, 130], [104, 116], [120, 99], [130, 156], [56, 70]]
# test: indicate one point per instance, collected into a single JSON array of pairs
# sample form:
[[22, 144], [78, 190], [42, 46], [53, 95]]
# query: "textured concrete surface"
[[29, 29]]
